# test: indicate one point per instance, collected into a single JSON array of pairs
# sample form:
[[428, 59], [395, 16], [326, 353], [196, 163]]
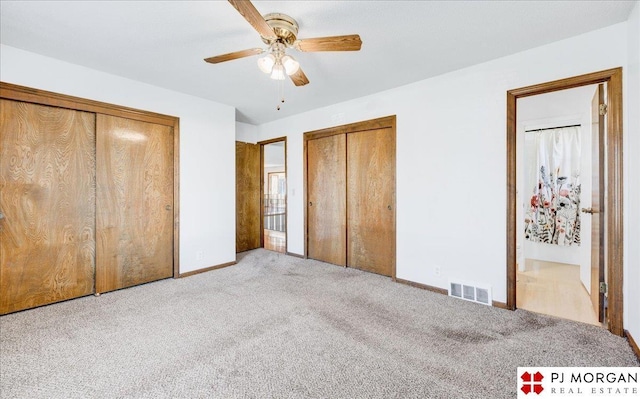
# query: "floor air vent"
[[473, 293]]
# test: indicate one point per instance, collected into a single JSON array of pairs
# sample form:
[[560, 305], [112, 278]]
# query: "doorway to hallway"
[[558, 176], [274, 195], [611, 208]]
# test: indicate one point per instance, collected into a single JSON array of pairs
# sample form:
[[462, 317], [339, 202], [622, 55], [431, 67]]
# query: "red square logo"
[[532, 383]]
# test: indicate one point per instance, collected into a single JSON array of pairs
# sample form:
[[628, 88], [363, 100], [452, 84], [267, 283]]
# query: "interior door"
[[248, 234], [597, 202], [47, 200], [134, 201], [326, 199], [371, 160]]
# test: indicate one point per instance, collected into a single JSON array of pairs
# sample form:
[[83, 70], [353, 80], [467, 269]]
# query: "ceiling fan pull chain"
[[278, 94], [280, 84], [282, 91]]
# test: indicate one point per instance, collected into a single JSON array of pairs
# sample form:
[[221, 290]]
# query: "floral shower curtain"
[[553, 214]]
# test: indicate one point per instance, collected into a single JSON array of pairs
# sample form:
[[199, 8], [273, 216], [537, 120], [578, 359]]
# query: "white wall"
[[560, 108], [207, 131], [246, 132], [632, 178], [451, 157]]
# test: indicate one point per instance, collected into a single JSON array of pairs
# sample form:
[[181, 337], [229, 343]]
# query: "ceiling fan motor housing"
[[284, 27]]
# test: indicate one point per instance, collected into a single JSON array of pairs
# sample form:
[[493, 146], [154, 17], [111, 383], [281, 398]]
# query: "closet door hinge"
[[603, 288], [603, 109]]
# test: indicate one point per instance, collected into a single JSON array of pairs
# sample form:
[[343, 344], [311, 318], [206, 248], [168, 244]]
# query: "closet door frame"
[[14, 92], [373, 124]]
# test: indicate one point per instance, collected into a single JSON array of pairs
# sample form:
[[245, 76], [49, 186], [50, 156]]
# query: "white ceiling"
[[163, 43]]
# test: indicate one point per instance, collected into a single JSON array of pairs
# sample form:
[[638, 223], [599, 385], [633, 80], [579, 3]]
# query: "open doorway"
[[554, 195], [274, 195], [611, 208]]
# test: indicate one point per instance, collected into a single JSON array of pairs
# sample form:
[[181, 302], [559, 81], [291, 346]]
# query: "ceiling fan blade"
[[234, 55], [249, 12], [330, 43], [299, 78]]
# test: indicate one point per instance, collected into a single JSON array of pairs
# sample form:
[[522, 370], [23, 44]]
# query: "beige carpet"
[[275, 326]]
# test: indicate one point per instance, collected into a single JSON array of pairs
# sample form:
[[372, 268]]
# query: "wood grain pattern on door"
[[248, 180], [326, 199], [47, 198], [371, 233], [134, 222], [597, 202]]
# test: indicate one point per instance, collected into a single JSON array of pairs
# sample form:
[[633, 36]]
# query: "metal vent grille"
[[456, 290], [471, 292], [482, 296]]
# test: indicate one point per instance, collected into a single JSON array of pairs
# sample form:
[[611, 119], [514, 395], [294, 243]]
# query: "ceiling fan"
[[279, 32]]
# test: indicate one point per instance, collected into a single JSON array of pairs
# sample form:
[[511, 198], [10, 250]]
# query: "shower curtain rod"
[[550, 128]]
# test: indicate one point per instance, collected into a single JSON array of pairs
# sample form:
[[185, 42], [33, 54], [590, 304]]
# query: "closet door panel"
[[47, 198], [371, 161], [248, 179], [326, 199], [134, 203]]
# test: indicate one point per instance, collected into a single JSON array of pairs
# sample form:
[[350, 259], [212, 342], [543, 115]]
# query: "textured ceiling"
[[164, 43]]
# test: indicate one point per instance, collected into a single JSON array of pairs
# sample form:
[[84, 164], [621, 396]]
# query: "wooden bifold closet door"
[[134, 228], [371, 220], [86, 198], [326, 199], [351, 195], [47, 199]]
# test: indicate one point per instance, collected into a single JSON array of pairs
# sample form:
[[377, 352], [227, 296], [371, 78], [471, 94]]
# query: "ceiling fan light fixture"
[[280, 32], [278, 72], [266, 63], [291, 66]]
